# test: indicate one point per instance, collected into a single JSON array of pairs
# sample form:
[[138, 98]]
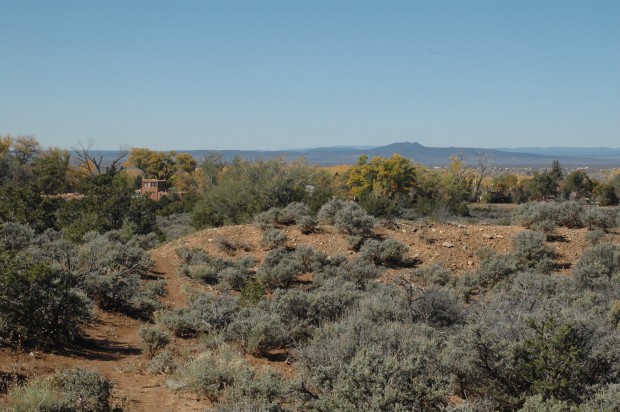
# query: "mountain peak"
[[408, 145]]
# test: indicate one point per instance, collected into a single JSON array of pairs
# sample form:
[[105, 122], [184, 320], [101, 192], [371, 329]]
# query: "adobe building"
[[155, 189]]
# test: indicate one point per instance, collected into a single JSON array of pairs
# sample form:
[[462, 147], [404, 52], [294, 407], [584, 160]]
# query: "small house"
[[155, 189]]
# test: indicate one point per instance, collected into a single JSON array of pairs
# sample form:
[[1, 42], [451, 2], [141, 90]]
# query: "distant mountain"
[[566, 151], [429, 156]]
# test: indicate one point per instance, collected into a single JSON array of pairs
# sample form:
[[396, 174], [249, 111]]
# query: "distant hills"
[[433, 156], [567, 151], [439, 156]]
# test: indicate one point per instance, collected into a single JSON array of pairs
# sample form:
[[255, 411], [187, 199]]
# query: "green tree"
[[39, 304], [155, 165], [22, 203], [244, 189], [577, 182], [51, 170], [25, 148], [541, 186], [5, 144], [551, 361], [605, 195]]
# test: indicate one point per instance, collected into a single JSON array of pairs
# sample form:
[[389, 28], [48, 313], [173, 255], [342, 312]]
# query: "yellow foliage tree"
[[5, 144], [393, 177]]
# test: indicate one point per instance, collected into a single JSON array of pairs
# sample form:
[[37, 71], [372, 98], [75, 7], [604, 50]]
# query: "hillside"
[[114, 347]]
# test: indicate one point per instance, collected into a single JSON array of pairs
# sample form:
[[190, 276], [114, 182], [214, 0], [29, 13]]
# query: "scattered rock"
[[447, 244], [498, 237], [487, 236], [470, 262]]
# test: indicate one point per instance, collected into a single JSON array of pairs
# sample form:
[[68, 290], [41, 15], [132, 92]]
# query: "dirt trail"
[[113, 347]]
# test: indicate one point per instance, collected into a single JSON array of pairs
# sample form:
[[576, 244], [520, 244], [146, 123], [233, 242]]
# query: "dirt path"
[[113, 347]]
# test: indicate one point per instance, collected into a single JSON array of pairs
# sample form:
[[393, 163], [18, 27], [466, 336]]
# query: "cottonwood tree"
[[485, 161], [51, 170], [392, 178], [91, 160], [25, 148], [155, 165], [5, 144]]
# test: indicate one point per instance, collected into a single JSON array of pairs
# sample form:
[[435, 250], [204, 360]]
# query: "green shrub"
[[154, 338], [268, 217], [614, 313], [594, 237], [209, 373], [304, 310], [321, 261], [251, 293], [279, 269], [182, 322], [359, 271], [175, 226], [193, 256], [273, 238], [539, 403], [388, 252], [84, 389], [108, 254], [434, 274], [527, 214], [255, 390], [379, 206], [357, 364], [224, 376], [292, 213], [225, 245], [597, 265], [530, 251], [352, 220], [307, 225], [597, 219], [548, 227], [305, 255], [494, 267], [205, 313], [40, 304], [567, 214], [215, 312], [258, 330], [327, 212], [570, 214], [607, 398], [233, 278], [66, 390], [535, 335], [437, 307], [125, 293], [15, 236], [37, 395], [162, 362]]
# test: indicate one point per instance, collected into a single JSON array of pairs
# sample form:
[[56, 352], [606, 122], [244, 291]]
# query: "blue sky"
[[289, 74]]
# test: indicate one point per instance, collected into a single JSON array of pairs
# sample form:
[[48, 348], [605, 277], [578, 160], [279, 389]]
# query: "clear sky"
[[291, 74]]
